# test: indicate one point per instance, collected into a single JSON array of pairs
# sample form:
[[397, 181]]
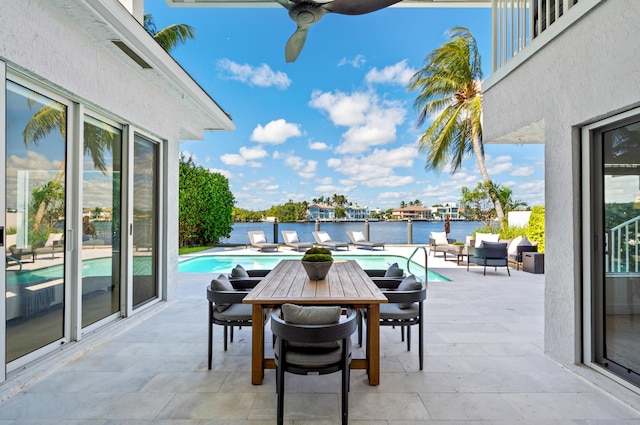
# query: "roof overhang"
[[272, 3], [113, 27]]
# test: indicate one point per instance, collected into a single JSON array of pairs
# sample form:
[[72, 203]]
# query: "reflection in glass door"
[[145, 221], [35, 219], [101, 202], [617, 273]]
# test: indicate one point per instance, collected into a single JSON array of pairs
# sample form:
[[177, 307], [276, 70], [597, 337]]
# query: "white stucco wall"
[[590, 71], [60, 45]]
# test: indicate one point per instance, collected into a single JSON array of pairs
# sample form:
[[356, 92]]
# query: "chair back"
[[293, 332], [257, 237], [321, 236]]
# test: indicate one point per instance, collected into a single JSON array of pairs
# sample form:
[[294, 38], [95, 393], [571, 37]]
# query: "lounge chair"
[[54, 243], [492, 254], [259, 241], [358, 240], [323, 239], [438, 242], [292, 240]]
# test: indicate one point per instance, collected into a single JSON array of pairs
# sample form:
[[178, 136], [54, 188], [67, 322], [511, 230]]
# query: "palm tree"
[[449, 87], [171, 36]]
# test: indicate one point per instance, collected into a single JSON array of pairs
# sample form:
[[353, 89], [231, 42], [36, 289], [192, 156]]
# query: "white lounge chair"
[[323, 239], [358, 239], [259, 241], [292, 240]]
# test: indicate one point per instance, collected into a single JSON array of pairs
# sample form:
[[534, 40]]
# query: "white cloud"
[[262, 186], [498, 165], [377, 169], [261, 76], [188, 155], [233, 159], [371, 121], [305, 168], [523, 171], [275, 132], [225, 173], [247, 156], [318, 146], [355, 62], [397, 74], [252, 153]]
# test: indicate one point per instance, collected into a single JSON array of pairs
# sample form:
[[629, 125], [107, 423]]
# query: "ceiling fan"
[[307, 12]]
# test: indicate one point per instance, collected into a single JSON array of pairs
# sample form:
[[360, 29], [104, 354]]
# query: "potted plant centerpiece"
[[317, 262]]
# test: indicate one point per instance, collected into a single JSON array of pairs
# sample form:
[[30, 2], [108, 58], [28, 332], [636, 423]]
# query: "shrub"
[[535, 230], [317, 254]]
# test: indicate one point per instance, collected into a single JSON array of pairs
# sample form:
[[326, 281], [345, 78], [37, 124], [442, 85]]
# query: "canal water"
[[391, 232]]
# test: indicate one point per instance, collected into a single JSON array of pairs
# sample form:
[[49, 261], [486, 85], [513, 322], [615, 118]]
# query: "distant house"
[[321, 212], [412, 212], [450, 209]]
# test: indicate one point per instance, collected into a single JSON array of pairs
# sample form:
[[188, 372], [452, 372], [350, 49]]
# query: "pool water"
[[224, 263]]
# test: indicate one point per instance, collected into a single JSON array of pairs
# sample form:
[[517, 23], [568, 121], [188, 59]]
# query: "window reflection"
[[100, 221], [145, 222], [35, 201]]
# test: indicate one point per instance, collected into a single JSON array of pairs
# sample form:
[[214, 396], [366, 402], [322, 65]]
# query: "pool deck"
[[484, 364]]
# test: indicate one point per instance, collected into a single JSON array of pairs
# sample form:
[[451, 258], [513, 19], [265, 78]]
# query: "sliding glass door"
[[35, 182], [616, 269], [146, 207], [101, 213]]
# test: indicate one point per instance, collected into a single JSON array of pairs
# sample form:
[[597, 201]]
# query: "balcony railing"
[[623, 245], [517, 22]]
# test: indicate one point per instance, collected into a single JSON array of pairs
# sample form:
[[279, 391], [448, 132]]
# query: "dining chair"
[[226, 309], [312, 340], [404, 309]]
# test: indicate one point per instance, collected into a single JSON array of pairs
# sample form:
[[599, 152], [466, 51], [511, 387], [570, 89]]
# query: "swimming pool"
[[224, 263]]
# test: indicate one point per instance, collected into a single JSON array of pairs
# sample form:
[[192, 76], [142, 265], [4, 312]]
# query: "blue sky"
[[339, 119]]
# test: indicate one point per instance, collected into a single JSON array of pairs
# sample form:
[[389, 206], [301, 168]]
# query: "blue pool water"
[[224, 263]]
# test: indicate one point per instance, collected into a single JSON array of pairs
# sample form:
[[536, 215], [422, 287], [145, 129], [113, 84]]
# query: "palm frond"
[[174, 35], [43, 122]]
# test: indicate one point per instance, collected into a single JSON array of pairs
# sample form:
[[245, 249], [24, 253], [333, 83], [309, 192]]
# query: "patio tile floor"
[[484, 364]]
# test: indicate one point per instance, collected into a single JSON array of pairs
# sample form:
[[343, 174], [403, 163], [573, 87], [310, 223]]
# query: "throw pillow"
[[358, 237], [440, 238], [525, 242], [239, 271], [324, 237], [293, 237], [489, 237], [259, 239], [394, 271], [513, 246], [409, 283], [311, 315], [221, 283]]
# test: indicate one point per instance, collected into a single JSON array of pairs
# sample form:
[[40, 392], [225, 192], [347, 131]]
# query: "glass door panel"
[[101, 202], [35, 218], [619, 324], [145, 221]]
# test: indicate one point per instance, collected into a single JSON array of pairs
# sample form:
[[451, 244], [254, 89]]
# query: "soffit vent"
[[133, 55]]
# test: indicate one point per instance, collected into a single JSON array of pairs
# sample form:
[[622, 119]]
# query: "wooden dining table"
[[345, 285]]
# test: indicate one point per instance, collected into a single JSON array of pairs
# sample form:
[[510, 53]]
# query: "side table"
[[533, 262]]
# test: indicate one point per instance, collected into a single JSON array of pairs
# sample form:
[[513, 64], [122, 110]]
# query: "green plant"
[[457, 243], [316, 255], [535, 230]]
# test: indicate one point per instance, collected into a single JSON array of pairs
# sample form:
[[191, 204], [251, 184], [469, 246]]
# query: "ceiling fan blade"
[[295, 44], [357, 7]]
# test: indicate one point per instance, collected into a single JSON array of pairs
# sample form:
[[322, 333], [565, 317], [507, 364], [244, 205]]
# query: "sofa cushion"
[[490, 237], [409, 283], [358, 237], [239, 271], [440, 238], [513, 246], [394, 271], [221, 283]]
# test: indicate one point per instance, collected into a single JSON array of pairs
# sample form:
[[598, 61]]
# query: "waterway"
[[391, 232]]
